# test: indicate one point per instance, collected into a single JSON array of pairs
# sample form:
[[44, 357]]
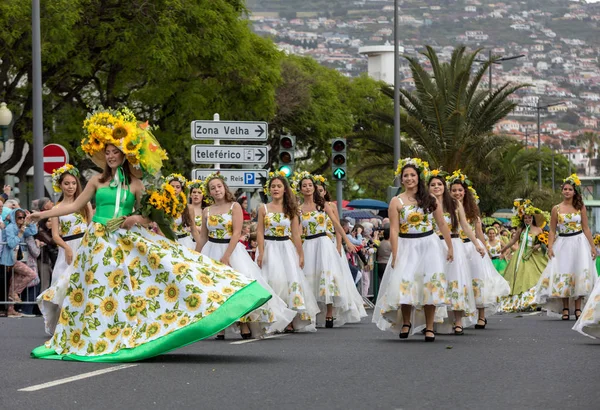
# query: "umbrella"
[[358, 214], [344, 204], [367, 204]]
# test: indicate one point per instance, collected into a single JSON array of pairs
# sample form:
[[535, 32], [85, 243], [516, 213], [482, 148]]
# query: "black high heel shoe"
[[220, 337], [458, 330], [246, 335], [565, 316], [577, 316], [429, 338], [329, 322], [404, 335], [478, 326]]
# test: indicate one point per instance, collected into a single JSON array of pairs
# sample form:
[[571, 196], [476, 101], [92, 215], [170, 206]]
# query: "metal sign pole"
[[339, 188]]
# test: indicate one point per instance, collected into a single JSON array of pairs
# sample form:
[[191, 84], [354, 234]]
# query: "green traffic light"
[[339, 173], [287, 170]]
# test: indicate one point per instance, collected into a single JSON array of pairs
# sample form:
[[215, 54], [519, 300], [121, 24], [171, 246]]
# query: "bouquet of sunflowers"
[[543, 238], [161, 205], [597, 240]]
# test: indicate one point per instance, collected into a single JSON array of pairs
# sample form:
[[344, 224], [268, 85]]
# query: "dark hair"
[[85, 211], [241, 199], [577, 199], [203, 203], [533, 222], [317, 198], [386, 232], [327, 196], [228, 195], [448, 203], [424, 199], [358, 226], [107, 174], [469, 204], [290, 206]]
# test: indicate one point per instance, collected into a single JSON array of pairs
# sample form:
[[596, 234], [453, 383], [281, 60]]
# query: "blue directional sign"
[[235, 178]]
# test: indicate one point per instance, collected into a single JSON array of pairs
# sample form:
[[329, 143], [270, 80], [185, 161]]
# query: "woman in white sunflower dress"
[[133, 294], [219, 240], [488, 284], [331, 287], [461, 310], [67, 232], [184, 226], [414, 283], [280, 255], [570, 275]]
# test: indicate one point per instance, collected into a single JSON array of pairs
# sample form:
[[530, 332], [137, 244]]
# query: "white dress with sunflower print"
[[271, 317], [328, 280], [488, 284], [184, 237], [281, 269], [459, 292], [69, 225], [418, 278], [571, 273], [133, 294]]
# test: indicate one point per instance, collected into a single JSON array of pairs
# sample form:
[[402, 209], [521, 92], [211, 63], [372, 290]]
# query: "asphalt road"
[[518, 362]]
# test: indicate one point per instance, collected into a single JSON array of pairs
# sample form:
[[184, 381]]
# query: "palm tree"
[[449, 118], [591, 139]]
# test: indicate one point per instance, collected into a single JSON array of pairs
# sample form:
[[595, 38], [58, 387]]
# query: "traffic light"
[[287, 146], [338, 159]]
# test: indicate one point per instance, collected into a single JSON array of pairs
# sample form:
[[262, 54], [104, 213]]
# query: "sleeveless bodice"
[[314, 223], [413, 219], [106, 204], [220, 226], [198, 220], [447, 219], [495, 250], [569, 223], [462, 233], [277, 224], [177, 226], [72, 224], [530, 239]]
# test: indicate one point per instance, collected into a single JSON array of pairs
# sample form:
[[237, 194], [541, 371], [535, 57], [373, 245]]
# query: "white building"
[[381, 61]]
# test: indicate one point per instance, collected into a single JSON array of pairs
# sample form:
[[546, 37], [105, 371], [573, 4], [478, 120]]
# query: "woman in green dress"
[[528, 262], [493, 246], [133, 294]]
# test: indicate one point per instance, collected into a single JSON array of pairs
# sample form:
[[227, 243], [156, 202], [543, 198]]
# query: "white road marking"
[[75, 378], [241, 342]]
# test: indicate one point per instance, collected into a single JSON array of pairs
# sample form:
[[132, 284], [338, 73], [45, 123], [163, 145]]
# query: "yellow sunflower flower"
[[215, 296], [153, 329], [206, 280], [49, 295], [213, 220], [168, 318], [112, 334], [100, 347], [193, 302], [183, 321], [126, 333], [99, 230], [125, 243], [415, 218], [171, 293], [64, 317], [89, 309], [76, 297], [89, 277], [116, 278], [140, 303], [297, 301], [75, 339], [154, 260], [141, 248], [181, 268], [98, 248], [227, 290], [152, 291], [109, 306], [135, 284]]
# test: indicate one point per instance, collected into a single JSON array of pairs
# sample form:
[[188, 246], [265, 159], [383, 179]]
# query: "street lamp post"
[[396, 90], [5, 120], [498, 61], [38, 125], [539, 107]]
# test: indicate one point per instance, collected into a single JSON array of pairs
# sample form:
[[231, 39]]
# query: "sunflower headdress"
[[205, 190], [179, 178], [121, 129], [272, 175], [299, 176], [458, 177], [574, 181], [196, 184], [320, 180], [57, 173], [430, 173], [422, 166], [474, 193], [522, 207]]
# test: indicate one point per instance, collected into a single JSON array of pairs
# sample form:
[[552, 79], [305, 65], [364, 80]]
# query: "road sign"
[[236, 178], [55, 156], [230, 154], [230, 130]]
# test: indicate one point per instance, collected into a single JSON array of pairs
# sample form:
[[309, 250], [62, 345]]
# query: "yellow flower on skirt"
[[76, 297], [89, 277], [297, 301], [141, 247], [206, 280], [98, 248], [215, 296], [171, 293], [152, 291], [75, 339], [135, 284], [227, 290], [153, 329], [89, 309], [181, 268], [49, 294], [115, 279], [125, 243], [64, 317], [109, 306], [168, 318], [183, 321], [99, 230], [415, 218], [112, 334], [100, 347], [193, 302], [404, 228], [154, 260], [140, 303]]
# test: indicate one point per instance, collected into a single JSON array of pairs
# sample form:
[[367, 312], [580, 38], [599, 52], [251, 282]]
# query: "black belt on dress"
[[73, 237], [571, 233], [415, 235], [217, 240], [495, 257], [466, 240], [277, 238], [452, 235], [315, 236], [182, 235]]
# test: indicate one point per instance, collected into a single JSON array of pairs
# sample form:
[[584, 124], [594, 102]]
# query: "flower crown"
[[430, 173], [196, 184], [272, 176], [320, 180], [458, 177], [179, 178], [121, 129], [57, 173], [573, 180], [522, 207], [422, 166], [474, 193], [205, 190], [299, 176]]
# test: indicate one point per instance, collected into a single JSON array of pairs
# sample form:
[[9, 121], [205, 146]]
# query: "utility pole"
[[498, 61], [397, 151], [38, 118], [539, 107]]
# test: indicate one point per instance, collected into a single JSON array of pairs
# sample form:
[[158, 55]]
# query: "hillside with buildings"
[[558, 39]]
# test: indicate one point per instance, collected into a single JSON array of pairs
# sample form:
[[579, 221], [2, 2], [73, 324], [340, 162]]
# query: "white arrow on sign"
[[230, 154], [236, 178], [230, 130]]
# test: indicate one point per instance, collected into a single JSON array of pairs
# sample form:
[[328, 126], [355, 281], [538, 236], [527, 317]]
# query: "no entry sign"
[[55, 156]]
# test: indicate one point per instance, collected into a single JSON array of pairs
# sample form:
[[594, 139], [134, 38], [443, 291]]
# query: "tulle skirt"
[[271, 317], [188, 242], [357, 299], [488, 284], [589, 322], [571, 273], [51, 300], [329, 283], [417, 279], [281, 269]]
